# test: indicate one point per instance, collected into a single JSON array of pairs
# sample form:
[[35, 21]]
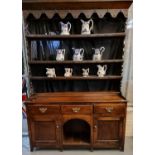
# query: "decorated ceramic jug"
[[65, 28], [68, 72], [101, 70], [50, 72], [85, 72], [98, 53], [87, 26], [78, 54], [60, 54]]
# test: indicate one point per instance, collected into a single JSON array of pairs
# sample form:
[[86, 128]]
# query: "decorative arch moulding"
[[75, 13]]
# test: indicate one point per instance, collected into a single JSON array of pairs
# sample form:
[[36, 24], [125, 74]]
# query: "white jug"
[[98, 53], [50, 72], [78, 54], [85, 72], [101, 70], [60, 54], [65, 28], [68, 72], [87, 26]]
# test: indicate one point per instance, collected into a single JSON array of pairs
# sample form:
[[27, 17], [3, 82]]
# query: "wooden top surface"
[[77, 97], [75, 4]]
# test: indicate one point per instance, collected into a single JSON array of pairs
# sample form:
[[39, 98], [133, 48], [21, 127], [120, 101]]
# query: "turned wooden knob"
[[95, 126]]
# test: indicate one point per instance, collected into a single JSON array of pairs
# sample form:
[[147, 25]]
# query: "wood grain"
[[33, 62], [107, 77], [76, 4], [73, 36]]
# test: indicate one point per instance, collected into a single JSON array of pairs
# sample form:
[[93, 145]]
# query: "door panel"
[[45, 133], [107, 132]]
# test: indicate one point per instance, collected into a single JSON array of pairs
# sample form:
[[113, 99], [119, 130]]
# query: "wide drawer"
[[76, 109], [110, 109], [43, 109]]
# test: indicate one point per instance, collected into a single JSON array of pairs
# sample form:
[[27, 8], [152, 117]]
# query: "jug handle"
[[71, 70], [91, 21], [105, 68], [69, 26], [102, 49], [82, 51]]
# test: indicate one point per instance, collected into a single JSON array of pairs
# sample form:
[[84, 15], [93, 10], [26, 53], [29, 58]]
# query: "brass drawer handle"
[[109, 109], [42, 110], [76, 109]]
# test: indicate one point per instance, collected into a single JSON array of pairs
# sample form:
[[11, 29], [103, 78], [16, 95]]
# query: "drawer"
[[76, 109], [43, 109], [110, 109]]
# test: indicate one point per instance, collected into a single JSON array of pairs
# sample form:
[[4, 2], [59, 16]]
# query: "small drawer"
[[110, 109], [43, 109], [76, 109]]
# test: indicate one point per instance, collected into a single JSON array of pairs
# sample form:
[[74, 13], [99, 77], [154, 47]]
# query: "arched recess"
[[76, 131]]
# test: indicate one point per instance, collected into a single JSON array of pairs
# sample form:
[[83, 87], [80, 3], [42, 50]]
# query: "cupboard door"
[[107, 132], [45, 133]]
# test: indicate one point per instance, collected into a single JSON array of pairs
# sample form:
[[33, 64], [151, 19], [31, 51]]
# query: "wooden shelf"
[[75, 62], [107, 77], [82, 97], [73, 36], [75, 141]]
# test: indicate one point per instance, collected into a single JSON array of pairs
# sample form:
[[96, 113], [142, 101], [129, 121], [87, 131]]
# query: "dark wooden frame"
[[76, 4]]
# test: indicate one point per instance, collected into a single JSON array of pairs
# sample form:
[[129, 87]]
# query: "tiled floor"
[[127, 151]]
